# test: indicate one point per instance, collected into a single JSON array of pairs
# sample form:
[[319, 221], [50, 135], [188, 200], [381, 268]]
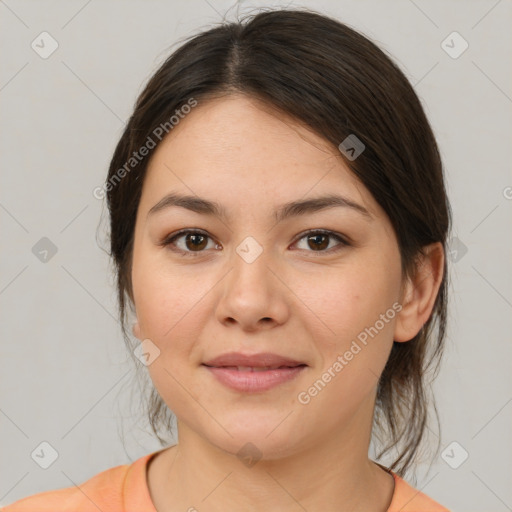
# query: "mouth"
[[253, 373], [266, 360], [255, 368]]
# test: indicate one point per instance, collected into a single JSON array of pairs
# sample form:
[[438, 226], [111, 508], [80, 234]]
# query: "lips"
[[255, 362], [254, 368], [253, 373]]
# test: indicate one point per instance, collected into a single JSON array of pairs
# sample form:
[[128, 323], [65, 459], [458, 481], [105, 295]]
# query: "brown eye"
[[319, 241], [195, 241], [188, 242]]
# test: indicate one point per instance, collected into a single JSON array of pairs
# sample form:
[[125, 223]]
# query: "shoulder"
[[105, 491], [408, 499]]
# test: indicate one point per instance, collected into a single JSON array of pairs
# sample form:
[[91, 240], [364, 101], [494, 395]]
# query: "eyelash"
[[170, 241]]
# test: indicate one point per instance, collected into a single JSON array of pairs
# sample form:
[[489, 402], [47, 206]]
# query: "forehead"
[[238, 148]]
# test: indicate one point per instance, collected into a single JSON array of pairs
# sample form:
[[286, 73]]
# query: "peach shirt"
[[124, 489]]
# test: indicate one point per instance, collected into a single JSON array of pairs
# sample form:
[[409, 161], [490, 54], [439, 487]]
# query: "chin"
[[256, 441]]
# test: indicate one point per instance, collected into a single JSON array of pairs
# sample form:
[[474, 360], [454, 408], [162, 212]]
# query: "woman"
[[278, 226]]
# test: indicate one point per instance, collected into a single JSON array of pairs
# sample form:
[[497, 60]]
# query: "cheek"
[[171, 318], [349, 299], [358, 310], [166, 296], [170, 312]]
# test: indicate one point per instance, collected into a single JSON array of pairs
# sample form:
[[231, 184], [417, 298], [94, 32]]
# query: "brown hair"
[[336, 81]]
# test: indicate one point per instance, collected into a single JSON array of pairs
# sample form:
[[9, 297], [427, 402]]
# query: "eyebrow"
[[285, 211]]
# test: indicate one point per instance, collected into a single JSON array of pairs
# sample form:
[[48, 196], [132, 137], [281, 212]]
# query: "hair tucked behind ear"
[[336, 81]]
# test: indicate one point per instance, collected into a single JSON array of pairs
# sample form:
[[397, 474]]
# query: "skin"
[[293, 300]]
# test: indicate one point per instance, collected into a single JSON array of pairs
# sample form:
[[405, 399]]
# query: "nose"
[[253, 296]]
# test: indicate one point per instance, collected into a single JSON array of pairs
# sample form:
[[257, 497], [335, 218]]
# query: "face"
[[319, 286]]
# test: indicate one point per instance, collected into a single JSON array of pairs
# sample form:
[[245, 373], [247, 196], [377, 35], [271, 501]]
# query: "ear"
[[136, 330], [419, 293]]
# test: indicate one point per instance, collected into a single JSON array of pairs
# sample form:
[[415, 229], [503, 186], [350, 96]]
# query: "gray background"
[[65, 375]]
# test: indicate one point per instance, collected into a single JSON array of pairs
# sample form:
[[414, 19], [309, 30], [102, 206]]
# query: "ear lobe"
[[420, 293], [136, 330]]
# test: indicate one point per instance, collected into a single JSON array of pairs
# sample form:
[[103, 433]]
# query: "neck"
[[329, 474]]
